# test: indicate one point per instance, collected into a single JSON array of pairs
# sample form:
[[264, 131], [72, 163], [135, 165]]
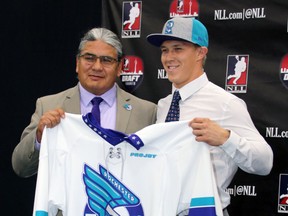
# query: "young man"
[[98, 64], [219, 118]]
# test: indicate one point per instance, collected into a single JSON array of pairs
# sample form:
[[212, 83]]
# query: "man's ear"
[[77, 62], [202, 52]]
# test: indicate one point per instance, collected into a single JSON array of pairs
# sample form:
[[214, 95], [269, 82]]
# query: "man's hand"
[[209, 131], [49, 119]]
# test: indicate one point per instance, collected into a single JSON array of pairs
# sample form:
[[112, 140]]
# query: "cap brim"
[[158, 39]]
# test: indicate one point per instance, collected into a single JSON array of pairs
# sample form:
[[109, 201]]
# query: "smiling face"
[[182, 61], [96, 77]]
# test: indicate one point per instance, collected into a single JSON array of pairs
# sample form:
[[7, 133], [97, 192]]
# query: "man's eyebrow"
[[87, 53]]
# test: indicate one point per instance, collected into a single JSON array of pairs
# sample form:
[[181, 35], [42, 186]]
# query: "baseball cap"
[[181, 28]]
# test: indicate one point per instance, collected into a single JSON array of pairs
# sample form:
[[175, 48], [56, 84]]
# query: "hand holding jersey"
[[49, 119], [208, 131]]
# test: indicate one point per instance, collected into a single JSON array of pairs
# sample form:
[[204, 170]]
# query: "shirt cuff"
[[37, 145], [231, 145]]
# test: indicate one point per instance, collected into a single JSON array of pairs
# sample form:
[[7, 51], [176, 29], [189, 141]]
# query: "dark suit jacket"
[[25, 157]]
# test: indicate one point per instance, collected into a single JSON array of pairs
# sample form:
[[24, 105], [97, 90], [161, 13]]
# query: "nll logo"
[[237, 73], [283, 194], [162, 74], [131, 19]]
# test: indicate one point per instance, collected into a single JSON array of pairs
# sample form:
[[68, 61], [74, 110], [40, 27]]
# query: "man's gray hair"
[[104, 35]]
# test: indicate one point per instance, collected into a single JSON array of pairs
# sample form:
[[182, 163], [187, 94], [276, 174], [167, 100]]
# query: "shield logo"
[[284, 71], [184, 8], [132, 73]]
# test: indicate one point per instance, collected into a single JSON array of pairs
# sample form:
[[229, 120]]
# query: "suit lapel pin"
[[127, 107]]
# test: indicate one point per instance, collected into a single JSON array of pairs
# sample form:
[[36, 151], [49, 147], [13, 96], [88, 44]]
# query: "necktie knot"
[[96, 101], [174, 111], [95, 110]]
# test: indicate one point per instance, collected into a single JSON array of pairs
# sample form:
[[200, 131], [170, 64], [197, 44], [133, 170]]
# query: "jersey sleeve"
[[49, 187]]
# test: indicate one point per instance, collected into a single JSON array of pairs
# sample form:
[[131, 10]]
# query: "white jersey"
[[90, 171]]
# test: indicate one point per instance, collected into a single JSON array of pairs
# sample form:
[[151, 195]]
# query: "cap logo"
[[169, 26]]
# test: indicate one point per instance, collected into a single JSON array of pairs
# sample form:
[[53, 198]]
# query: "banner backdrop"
[[245, 33]]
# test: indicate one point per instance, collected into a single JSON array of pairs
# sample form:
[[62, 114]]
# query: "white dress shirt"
[[245, 148]]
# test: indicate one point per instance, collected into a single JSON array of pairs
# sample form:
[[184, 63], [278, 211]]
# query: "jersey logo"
[[142, 155], [106, 193]]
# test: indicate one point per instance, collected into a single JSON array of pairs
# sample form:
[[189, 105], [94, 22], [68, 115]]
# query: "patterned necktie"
[[174, 112], [95, 110]]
